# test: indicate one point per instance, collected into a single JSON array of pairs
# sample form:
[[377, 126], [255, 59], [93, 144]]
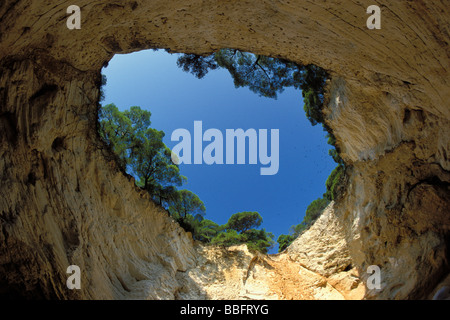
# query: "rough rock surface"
[[235, 273], [63, 201], [316, 266]]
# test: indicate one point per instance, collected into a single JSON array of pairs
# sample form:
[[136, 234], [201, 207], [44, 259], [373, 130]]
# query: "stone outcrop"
[[64, 201], [316, 266]]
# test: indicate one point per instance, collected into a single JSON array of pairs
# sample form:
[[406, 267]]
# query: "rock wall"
[[63, 200]]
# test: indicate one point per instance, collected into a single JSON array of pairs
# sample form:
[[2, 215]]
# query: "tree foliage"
[[263, 75], [268, 77], [228, 238], [258, 240], [241, 228], [334, 182], [314, 210], [207, 230], [312, 213], [244, 221], [140, 150], [103, 82], [199, 66], [284, 240], [187, 203]]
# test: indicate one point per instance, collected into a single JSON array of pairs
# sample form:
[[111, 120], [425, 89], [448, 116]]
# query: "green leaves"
[[197, 65], [207, 231], [188, 210], [313, 212], [142, 153], [116, 130], [244, 221], [140, 150], [103, 82], [241, 229], [334, 182], [263, 75], [228, 238], [186, 203], [268, 77], [284, 240], [258, 240]]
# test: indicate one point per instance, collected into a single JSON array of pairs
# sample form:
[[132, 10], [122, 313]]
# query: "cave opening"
[[181, 92], [55, 179]]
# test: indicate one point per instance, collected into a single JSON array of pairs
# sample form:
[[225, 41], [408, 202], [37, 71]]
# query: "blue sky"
[[176, 99]]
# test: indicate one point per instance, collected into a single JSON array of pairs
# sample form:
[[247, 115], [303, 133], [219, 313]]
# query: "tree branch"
[[254, 65], [264, 71]]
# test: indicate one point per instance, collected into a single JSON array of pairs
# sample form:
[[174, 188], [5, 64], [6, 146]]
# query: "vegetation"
[[284, 240], [315, 208], [313, 212], [242, 228], [334, 181], [140, 151], [267, 77]]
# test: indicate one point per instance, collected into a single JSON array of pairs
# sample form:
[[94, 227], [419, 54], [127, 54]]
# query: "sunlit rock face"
[[63, 200]]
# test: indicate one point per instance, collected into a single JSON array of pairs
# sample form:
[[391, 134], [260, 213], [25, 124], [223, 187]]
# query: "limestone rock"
[[322, 248], [63, 200]]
